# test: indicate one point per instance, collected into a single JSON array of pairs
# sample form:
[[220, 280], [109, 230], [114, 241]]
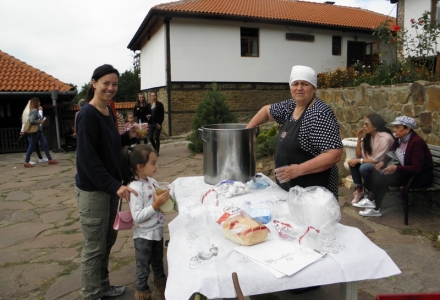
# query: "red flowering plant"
[[418, 50], [422, 45], [392, 37]]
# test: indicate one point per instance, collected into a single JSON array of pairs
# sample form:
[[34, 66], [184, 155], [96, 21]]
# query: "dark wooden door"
[[355, 52]]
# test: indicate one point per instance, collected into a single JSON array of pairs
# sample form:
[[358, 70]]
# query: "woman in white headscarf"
[[308, 145]]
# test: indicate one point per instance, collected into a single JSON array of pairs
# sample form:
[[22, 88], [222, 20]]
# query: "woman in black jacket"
[[156, 113], [140, 112]]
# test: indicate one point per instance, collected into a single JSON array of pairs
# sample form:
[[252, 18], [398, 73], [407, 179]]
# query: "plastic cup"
[[162, 187], [278, 170], [141, 133]]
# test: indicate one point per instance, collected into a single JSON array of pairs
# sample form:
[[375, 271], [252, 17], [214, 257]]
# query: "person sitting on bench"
[[409, 155]]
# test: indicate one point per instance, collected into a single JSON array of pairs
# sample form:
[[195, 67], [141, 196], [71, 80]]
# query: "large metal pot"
[[228, 152]]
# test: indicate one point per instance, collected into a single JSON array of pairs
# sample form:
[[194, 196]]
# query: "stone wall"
[[420, 100], [244, 99]]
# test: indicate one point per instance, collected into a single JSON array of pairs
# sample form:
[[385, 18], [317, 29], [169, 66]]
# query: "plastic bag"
[[258, 182], [230, 188], [235, 224], [261, 212], [315, 211]]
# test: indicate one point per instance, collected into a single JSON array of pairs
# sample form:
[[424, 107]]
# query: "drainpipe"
[[54, 95], [168, 69]]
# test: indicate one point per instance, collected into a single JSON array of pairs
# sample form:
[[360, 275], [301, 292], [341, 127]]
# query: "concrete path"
[[40, 238]]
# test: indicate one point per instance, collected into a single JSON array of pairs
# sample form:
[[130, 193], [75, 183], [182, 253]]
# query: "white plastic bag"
[[235, 224], [316, 211]]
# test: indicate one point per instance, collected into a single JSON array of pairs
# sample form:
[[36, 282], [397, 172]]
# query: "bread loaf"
[[244, 230]]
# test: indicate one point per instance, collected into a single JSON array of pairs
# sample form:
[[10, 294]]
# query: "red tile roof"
[[285, 12], [18, 76], [118, 105], [281, 10]]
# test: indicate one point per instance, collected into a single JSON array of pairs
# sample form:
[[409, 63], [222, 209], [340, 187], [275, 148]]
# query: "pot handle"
[[201, 136]]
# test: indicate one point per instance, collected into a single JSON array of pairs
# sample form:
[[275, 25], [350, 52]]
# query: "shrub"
[[393, 73], [211, 110], [266, 142]]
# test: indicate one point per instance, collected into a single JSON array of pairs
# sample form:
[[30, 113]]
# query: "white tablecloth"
[[351, 256]]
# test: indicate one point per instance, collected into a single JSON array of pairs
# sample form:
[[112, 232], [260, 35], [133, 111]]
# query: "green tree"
[[82, 92], [129, 86], [211, 110]]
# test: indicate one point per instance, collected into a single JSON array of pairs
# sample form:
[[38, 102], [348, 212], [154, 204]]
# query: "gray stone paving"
[[40, 238]]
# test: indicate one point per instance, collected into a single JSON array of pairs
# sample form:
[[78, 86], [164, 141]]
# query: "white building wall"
[[153, 60], [205, 50], [414, 9]]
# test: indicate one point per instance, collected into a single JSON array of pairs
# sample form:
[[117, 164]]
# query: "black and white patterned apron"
[[289, 151]]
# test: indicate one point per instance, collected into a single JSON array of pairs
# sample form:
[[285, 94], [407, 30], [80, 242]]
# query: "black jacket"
[[157, 114], [141, 112]]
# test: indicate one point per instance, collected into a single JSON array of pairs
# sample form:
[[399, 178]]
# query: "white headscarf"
[[26, 112], [303, 73]]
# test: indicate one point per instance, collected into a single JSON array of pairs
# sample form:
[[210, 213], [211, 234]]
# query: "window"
[[336, 45], [249, 42]]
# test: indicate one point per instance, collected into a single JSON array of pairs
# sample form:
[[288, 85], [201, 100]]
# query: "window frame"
[[249, 40], [336, 46]]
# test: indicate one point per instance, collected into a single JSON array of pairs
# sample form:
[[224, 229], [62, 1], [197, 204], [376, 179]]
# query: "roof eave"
[[154, 15], [146, 24]]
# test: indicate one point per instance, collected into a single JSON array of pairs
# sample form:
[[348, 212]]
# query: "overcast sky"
[[68, 39]]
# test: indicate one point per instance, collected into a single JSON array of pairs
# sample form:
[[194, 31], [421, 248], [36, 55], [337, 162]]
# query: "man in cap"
[[409, 155]]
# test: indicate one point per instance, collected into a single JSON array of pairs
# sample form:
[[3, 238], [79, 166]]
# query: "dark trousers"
[[154, 136], [378, 184], [148, 253], [34, 139]]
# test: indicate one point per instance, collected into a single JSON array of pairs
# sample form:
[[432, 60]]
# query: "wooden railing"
[[10, 140]]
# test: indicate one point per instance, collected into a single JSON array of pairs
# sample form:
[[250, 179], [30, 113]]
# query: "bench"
[[435, 186]]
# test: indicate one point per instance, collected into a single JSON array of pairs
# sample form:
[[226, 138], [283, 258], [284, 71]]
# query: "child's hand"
[[161, 199]]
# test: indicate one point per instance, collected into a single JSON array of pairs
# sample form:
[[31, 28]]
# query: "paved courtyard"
[[40, 237]]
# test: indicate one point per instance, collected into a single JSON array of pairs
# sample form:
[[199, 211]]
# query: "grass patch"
[[118, 263], [433, 236], [69, 267]]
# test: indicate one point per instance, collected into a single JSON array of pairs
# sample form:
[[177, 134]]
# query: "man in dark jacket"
[[411, 157]]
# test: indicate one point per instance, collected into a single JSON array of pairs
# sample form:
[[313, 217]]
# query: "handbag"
[[123, 219], [30, 128], [394, 159]]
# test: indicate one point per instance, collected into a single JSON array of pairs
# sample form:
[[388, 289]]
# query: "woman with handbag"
[[24, 118], [98, 182], [34, 127]]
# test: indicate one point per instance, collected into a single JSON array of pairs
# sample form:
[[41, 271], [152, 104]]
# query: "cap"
[[303, 73], [404, 120]]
